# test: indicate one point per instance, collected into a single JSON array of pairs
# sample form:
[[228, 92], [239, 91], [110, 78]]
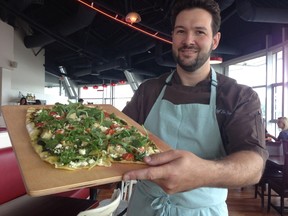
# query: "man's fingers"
[[150, 173], [162, 158]]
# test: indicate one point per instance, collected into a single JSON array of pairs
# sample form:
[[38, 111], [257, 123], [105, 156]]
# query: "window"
[[251, 72], [117, 95], [265, 74]]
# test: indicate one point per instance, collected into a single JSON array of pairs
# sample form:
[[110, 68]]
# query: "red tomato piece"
[[109, 131], [59, 117], [39, 124], [53, 113], [71, 127], [113, 126], [128, 156], [59, 131]]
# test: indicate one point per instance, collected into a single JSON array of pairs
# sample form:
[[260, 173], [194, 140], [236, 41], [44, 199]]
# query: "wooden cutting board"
[[41, 178]]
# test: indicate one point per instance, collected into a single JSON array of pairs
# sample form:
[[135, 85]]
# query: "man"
[[213, 125]]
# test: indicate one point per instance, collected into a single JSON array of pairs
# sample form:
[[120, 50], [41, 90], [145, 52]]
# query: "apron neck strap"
[[214, 81]]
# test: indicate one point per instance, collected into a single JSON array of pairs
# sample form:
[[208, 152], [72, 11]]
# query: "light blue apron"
[[192, 127]]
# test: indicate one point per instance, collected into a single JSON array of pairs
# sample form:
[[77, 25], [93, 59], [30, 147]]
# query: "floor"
[[241, 202]]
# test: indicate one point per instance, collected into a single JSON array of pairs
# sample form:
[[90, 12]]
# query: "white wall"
[[27, 77], [6, 45]]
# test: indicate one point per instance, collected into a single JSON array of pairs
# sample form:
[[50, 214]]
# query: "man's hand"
[[174, 171], [177, 170]]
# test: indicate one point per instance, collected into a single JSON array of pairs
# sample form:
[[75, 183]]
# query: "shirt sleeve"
[[244, 128]]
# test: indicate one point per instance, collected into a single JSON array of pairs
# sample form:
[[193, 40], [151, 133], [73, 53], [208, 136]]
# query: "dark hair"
[[80, 100], [37, 102], [23, 101], [209, 5]]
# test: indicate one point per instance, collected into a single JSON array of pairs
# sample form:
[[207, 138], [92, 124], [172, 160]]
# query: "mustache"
[[193, 48]]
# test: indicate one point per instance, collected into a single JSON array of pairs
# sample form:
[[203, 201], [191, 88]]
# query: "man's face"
[[193, 39]]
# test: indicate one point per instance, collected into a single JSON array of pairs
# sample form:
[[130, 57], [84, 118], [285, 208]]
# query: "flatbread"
[[76, 136]]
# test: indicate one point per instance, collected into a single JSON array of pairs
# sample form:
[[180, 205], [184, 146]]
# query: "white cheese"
[[82, 151], [72, 116], [103, 129], [58, 146], [46, 134], [91, 161]]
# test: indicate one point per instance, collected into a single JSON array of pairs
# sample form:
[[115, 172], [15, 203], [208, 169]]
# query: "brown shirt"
[[238, 108]]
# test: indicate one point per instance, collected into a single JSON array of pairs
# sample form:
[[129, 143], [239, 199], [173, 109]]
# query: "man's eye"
[[200, 32], [180, 32]]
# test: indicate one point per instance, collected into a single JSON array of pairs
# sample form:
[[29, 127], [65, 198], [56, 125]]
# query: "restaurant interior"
[[101, 51]]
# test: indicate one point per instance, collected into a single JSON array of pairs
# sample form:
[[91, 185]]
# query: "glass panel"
[[123, 91], [122, 95], [262, 96], [251, 72], [277, 97], [279, 67], [95, 93]]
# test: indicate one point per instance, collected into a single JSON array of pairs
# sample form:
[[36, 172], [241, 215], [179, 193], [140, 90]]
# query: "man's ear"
[[216, 40]]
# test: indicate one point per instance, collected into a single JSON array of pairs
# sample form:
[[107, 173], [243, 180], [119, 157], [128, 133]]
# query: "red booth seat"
[[11, 184]]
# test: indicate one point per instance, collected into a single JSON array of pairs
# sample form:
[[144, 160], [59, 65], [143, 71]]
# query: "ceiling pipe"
[[105, 77], [248, 11], [82, 19], [159, 57], [226, 50], [120, 62], [223, 4], [96, 70], [63, 41], [21, 5], [82, 72], [142, 72], [142, 48]]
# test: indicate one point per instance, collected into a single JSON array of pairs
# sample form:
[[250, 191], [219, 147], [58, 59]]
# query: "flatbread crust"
[[107, 138]]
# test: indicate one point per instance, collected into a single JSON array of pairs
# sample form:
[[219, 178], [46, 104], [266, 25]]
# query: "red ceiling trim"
[[116, 18]]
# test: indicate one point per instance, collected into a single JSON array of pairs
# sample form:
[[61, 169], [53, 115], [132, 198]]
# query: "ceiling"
[[95, 49]]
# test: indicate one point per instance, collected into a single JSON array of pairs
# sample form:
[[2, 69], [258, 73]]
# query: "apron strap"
[[162, 203]]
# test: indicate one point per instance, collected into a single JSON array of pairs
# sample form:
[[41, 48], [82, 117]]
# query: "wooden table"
[[41, 178]]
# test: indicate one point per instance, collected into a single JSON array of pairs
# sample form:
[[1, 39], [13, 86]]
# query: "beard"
[[193, 64]]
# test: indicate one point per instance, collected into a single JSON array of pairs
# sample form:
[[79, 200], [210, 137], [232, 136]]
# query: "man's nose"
[[189, 38]]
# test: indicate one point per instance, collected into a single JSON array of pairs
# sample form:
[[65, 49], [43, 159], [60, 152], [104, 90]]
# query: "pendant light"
[[133, 17]]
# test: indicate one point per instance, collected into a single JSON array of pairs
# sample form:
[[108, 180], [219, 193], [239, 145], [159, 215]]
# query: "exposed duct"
[[118, 63], [159, 57], [82, 19], [248, 11], [221, 49], [223, 4], [133, 79], [141, 49], [142, 72]]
